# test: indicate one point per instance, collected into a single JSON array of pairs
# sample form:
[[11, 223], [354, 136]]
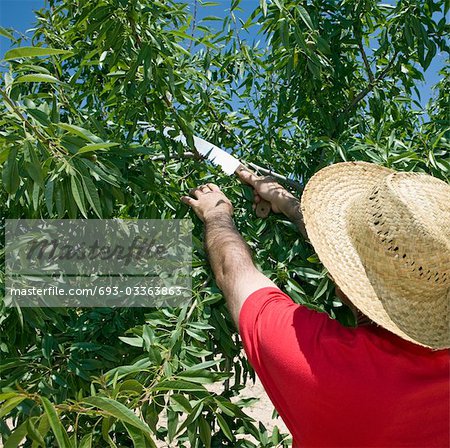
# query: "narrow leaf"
[[5, 33], [17, 436], [224, 427], [10, 404], [92, 195], [120, 411], [205, 432], [96, 147], [34, 433], [77, 194], [55, 423], [37, 77], [80, 132], [10, 173], [86, 441], [138, 437], [179, 385], [27, 52], [305, 17]]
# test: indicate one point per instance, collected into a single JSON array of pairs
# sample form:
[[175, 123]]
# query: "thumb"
[[247, 177]]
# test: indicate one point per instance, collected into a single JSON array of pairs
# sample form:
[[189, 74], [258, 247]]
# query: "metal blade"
[[217, 156]]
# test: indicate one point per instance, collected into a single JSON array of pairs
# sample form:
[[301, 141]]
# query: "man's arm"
[[229, 255], [232, 263]]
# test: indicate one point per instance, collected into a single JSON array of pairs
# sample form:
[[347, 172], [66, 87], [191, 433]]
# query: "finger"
[[247, 177], [188, 200], [196, 191], [213, 187], [257, 198], [253, 206]]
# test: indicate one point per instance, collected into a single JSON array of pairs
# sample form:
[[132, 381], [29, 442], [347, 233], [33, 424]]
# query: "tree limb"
[[47, 142], [371, 85], [194, 20], [366, 62]]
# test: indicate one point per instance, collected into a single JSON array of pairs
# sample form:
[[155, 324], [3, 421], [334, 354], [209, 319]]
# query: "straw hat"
[[384, 236]]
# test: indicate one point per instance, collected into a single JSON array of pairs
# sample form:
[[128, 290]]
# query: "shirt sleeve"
[[273, 328]]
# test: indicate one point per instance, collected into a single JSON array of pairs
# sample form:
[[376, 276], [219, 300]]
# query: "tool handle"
[[262, 207]]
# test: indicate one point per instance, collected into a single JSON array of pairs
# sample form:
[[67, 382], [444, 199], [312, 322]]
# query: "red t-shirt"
[[345, 387]]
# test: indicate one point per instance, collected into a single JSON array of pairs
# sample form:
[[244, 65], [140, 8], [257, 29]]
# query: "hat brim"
[[325, 202]]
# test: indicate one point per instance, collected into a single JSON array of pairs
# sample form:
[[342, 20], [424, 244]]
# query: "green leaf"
[[119, 411], [10, 174], [40, 116], [180, 403], [106, 427], [320, 291], [37, 77], [55, 423], [202, 376], [27, 52], [192, 417], [95, 147], [48, 195], [131, 385], [10, 404], [80, 132], [34, 433], [231, 409], [86, 441], [5, 33], [92, 195], [43, 428], [263, 6], [8, 395], [140, 440], [17, 436], [134, 342], [47, 345], [172, 424], [78, 194], [33, 167], [305, 17], [179, 385], [224, 427], [204, 432]]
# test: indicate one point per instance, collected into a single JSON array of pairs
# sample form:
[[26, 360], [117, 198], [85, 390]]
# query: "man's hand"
[[209, 200], [281, 201], [270, 190]]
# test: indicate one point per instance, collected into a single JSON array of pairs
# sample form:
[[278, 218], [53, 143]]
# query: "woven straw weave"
[[384, 236]]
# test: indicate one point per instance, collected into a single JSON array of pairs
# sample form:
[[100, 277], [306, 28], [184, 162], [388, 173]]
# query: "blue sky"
[[18, 14]]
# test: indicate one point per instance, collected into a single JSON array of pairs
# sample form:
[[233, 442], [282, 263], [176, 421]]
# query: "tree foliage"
[[326, 81]]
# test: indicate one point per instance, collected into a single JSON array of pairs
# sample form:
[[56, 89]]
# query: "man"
[[384, 237]]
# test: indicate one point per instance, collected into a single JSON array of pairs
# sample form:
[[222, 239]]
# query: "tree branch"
[[371, 85], [194, 20], [366, 62], [47, 142]]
